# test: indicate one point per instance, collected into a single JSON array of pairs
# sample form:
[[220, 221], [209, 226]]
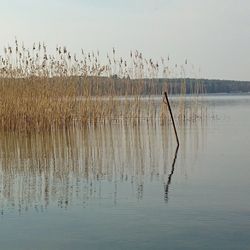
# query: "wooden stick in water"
[[172, 118]]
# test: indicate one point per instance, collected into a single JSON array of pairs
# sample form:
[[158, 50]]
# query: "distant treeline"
[[192, 86], [225, 86], [94, 85], [185, 86]]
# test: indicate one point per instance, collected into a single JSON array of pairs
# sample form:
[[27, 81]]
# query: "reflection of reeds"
[[41, 91], [61, 166]]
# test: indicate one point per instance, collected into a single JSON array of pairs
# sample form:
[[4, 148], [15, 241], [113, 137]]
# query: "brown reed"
[[42, 91]]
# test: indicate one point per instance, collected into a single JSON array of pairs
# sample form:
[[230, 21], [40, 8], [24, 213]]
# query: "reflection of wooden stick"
[[171, 174], [172, 118]]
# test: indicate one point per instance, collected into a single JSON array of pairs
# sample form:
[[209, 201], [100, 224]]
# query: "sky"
[[213, 35]]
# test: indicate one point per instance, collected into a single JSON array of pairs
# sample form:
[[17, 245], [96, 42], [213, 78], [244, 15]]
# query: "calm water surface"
[[119, 186]]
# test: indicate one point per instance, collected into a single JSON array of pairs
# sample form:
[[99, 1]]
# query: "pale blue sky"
[[214, 35]]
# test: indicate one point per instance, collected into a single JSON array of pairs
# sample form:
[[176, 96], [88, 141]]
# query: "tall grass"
[[41, 90]]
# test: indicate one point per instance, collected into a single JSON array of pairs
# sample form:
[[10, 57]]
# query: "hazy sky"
[[213, 35]]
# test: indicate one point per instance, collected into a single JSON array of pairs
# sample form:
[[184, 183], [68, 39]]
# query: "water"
[[117, 186]]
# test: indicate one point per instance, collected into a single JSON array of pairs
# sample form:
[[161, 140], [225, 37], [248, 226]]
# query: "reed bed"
[[43, 91]]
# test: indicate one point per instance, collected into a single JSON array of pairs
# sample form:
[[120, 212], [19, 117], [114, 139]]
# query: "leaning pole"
[[172, 118]]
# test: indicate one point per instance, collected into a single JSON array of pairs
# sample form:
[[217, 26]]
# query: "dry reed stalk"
[[40, 91]]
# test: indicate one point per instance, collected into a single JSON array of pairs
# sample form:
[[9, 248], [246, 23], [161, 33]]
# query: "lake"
[[124, 186]]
